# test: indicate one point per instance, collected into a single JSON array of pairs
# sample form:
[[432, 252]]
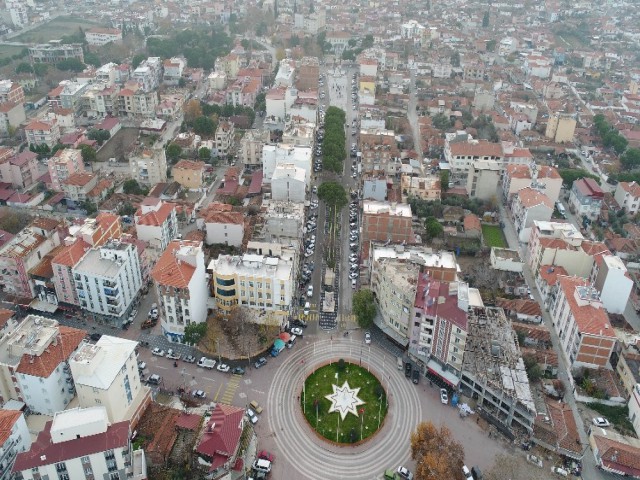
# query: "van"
[[262, 465], [400, 363]]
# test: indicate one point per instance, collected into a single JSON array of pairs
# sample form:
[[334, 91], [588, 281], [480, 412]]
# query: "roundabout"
[[315, 458]]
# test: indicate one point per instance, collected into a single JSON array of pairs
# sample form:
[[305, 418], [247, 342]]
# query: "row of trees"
[[609, 135], [334, 143]]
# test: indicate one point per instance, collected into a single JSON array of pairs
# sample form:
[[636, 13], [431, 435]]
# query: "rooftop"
[[177, 264], [371, 207], [585, 306], [98, 365], [251, 265]]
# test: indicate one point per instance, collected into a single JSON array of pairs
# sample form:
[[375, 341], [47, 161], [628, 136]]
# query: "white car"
[[199, 394], [310, 291], [252, 416], [296, 331], [601, 422], [142, 366], [367, 338], [158, 352], [223, 367], [444, 397]]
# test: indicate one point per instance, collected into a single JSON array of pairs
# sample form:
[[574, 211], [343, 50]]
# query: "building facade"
[[149, 167]]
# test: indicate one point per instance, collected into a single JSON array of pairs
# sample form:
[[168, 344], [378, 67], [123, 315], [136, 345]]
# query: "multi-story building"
[[173, 69], [586, 198], [251, 148], [148, 74], [288, 184], [94, 232], [19, 13], [106, 373], [283, 223], [11, 92], [180, 279], [108, 279], [82, 443], [426, 188], [586, 336], [149, 167], [544, 178], [65, 163], [379, 151], [24, 251], [71, 95], [33, 364], [610, 277], [102, 36], [156, 223], [55, 51], [280, 154], [482, 178], [299, 132], [225, 136], [189, 174], [387, 221], [12, 115], [461, 151], [40, 132], [77, 186], [258, 282], [529, 205], [14, 439], [308, 70], [561, 128], [134, 100], [20, 170], [627, 195], [223, 225], [375, 187]]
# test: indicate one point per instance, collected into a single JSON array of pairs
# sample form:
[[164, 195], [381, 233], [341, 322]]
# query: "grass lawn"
[[319, 384], [618, 416], [493, 236], [55, 29], [9, 50]]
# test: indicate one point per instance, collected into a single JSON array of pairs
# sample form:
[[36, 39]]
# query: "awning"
[[278, 343], [285, 337], [390, 332], [435, 369], [41, 306]]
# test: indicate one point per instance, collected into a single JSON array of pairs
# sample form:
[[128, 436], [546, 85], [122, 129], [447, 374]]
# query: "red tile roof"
[[221, 436], [550, 273], [633, 188], [72, 254], [188, 421], [530, 197], [235, 218], [8, 419], [480, 149], [520, 305], [190, 165], [79, 179], [589, 319], [157, 217], [588, 187], [472, 222], [430, 304], [44, 452], [618, 455], [171, 272], [43, 365]]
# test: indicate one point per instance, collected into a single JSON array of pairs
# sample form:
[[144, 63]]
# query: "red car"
[[263, 454]]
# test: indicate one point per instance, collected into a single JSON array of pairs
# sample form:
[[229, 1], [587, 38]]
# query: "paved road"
[[412, 115]]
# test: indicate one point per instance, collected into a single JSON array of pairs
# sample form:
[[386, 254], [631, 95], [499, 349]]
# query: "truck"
[[205, 362]]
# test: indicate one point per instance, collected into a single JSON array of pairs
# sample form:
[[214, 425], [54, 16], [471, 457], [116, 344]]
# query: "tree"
[[70, 65], [192, 110], [491, 46], [99, 135], [137, 60], [40, 69], [433, 228], [204, 153], [534, 371], [364, 307], [630, 159], [91, 58], [333, 194], [194, 332], [173, 151], [513, 468], [88, 153], [89, 207], [444, 180], [455, 59], [570, 175], [24, 67], [132, 187], [436, 453], [126, 209], [485, 19], [204, 126], [441, 121]]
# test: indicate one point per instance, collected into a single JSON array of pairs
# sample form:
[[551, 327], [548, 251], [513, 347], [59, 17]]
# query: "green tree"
[[126, 209], [24, 67], [173, 151], [455, 59], [491, 46], [204, 126], [194, 332], [485, 19], [444, 180], [534, 371], [91, 58], [204, 153], [333, 194], [89, 207], [88, 153], [132, 187], [99, 135], [570, 175], [433, 228], [137, 60], [70, 65], [441, 122], [630, 159], [364, 307], [40, 69]]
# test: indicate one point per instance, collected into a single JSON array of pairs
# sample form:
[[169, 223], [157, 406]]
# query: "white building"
[[156, 223], [613, 282], [149, 73], [180, 279], [14, 439], [251, 148], [288, 184], [108, 279], [102, 36], [274, 155], [82, 443], [33, 364], [634, 408], [223, 226], [107, 374], [627, 195]]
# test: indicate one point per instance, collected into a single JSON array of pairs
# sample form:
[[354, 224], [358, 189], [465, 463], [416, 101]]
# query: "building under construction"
[[493, 372]]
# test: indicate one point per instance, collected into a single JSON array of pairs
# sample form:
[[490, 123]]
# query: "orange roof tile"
[[235, 218], [633, 188], [480, 149], [5, 316], [43, 365], [189, 165], [550, 273], [72, 254], [530, 197], [8, 419], [156, 218], [171, 272], [79, 179], [589, 319]]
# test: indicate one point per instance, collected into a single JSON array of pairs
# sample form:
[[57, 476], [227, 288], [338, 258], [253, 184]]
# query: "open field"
[[9, 50], [493, 236], [119, 145], [55, 29]]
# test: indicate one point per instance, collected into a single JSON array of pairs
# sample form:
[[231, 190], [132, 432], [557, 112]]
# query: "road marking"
[[208, 379], [217, 393], [257, 391], [161, 367]]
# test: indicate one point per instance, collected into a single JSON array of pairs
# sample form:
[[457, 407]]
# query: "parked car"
[[223, 367], [154, 379], [252, 416], [158, 352], [190, 359], [142, 366], [444, 397], [404, 473], [199, 394], [415, 376], [261, 362], [296, 331], [601, 422], [256, 406], [95, 337], [535, 460], [310, 291], [367, 337], [559, 471], [238, 371], [173, 355], [263, 454], [407, 370]]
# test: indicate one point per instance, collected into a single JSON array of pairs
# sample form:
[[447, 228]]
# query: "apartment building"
[[627, 195], [23, 252], [426, 188], [586, 337], [189, 174], [20, 170], [108, 279], [288, 184], [180, 279], [561, 128], [586, 198], [102, 36], [223, 225], [610, 277], [282, 154], [134, 101], [34, 364], [12, 115], [256, 281], [461, 151], [529, 205], [42, 132], [284, 222], [156, 223], [251, 148], [482, 178], [94, 232], [308, 70], [55, 51], [77, 186], [14, 438], [173, 68], [148, 74], [106, 373], [71, 95], [379, 151], [543, 178], [64, 163], [387, 222], [299, 132], [82, 443], [149, 166], [225, 137]]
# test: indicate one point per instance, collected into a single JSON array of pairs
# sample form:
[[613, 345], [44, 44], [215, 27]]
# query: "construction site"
[[494, 374]]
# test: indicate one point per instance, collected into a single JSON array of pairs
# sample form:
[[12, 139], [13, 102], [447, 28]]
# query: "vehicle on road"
[[404, 473], [223, 367], [95, 337], [199, 394], [261, 362], [310, 291], [190, 359], [415, 376], [535, 460], [256, 406], [142, 366], [158, 352], [149, 323], [205, 362], [407, 370], [154, 379], [252, 416], [173, 355], [238, 371], [367, 337], [601, 422], [296, 331], [444, 396], [266, 455], [467, 473], [561, 472], [261, 465], [307, 308], [298, 323]]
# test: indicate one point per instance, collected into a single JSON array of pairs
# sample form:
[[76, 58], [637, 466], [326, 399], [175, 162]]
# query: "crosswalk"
[[230, 390]]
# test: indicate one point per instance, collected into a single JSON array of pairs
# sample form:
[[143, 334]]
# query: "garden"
[[493, 236], [357, 407]]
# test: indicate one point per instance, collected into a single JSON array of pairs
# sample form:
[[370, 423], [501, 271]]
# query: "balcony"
[[109, 284], [111, 292]]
